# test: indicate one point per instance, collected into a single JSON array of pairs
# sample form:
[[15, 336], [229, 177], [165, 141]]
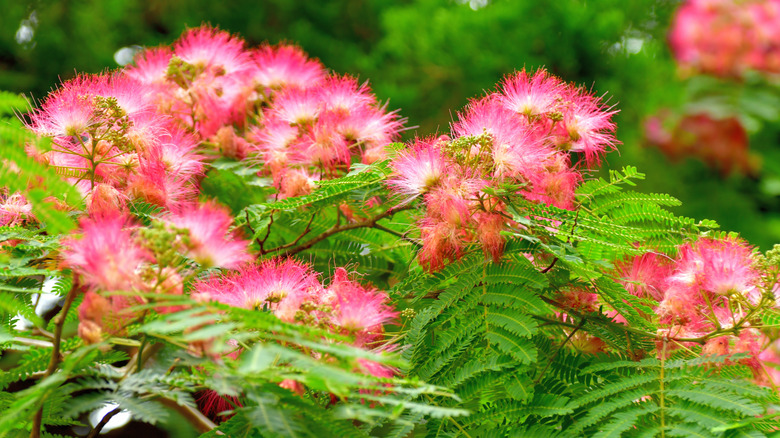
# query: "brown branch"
[[106, 418], [59, 322], [291, 244], [367, 223]]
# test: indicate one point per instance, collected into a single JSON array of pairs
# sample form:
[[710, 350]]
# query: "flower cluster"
[[292, 291], [142, 133], [727, 37], [305, 123], [721, 143], [706, 295], [522, 136], [110, 142], [115, 261]]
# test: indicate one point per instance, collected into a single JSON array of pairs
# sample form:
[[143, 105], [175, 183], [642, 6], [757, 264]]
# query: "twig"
[[367, 223], [195, 417], [291, 244], [59, 322], [106, 418]]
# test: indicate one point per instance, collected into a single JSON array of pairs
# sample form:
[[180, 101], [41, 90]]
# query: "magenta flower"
[[532, 95], [105, 255], [209, 242], [285, 65], [279, 285], [418, 169], [358, 309]]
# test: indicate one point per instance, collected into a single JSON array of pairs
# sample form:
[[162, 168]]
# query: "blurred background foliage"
[[427, 57]]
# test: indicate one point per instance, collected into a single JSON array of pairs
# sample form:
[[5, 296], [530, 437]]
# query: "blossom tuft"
[[209, 241], [106, 255], [358, 309], [419, 168]]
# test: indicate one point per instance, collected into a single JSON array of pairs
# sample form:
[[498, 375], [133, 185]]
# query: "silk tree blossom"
[[589, 126], [215, 51], [105, 255], [360, 310], [15, 210], [532, 95], [209, 240], [522, 137], [278, 285], [720, 267], [419, 168], [646, 275], [285, 65]]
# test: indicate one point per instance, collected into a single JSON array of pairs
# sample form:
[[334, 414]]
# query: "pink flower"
[[358, 309], [15, 210], [646, 275], [296, 106], [106, 255], [104, 199], [589, 126], [67, 111], [279, 285], [296, 182], [209, 242], [418, 169], [342, 93], [532, 95], [555, 185], [214, 50], [720, 267], [151, 66], [285, 65], [371, 127], [324, 145], [155, 182]]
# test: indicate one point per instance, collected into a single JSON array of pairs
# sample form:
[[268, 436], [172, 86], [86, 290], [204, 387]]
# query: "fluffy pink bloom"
[[151, 66], [324, 145], [104, 199], [487, 115], [210, 243], [285, 65], [279, 285], [296, 182], [15, 210], [214, 50], [105, 255], [721, 266], [489, 226], [154, 182], [589, 126], [358, 309], [645, 275], [418, 168], [556, 184], [343, 93], [371, 127], [532, 95], [296, 106], [67, 111]]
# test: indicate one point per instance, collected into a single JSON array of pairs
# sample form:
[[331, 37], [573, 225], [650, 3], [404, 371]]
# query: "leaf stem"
[[59, 322]]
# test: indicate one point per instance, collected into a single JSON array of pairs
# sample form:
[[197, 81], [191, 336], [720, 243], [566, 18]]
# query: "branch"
[[367, 223], [194, 416], [106, 418], [59, 322]]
